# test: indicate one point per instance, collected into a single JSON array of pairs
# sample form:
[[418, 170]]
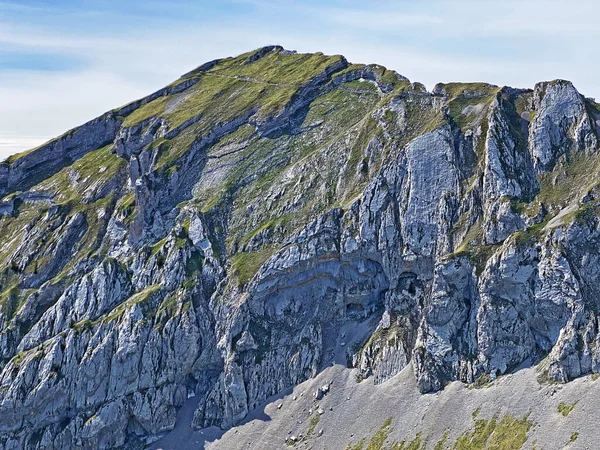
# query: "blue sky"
[[64, 62]]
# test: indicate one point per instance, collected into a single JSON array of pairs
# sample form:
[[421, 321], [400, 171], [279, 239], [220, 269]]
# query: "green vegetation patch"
[[465, 110], [259, 163], [25, 355], [565, 409], [171, 150], [141, 298], [530, 209], [95, 169], [421, 119], [358, 446], [232, 89], [576, 177], [13, 158], [522, 102], [340, 107], [506, 434], [383, 75], [441, 444], [379, 438], [312, 425], [89, 244], [532, 233], [168, 305], [241, 134], [379, 441], [573, 437], [12, 299], [246, 264], [173, 306], [467, 105], [270, 224], [194, 264], [475, 89], [483, 381], [67, 189], [126, 208], [279, 68], [158, 246], [472, 246], [151, 109]]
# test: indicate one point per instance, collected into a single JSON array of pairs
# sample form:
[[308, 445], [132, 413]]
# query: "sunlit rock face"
[[225, 237]]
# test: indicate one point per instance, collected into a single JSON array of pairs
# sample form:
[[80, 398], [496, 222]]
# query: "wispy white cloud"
[[379, 20], [507, 18], [10, 144], [44, 106]]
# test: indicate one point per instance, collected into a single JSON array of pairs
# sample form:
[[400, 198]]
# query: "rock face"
[[214, 239]]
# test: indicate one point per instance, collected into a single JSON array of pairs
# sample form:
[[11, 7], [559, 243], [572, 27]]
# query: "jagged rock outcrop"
[[561, 124], [226, 236]]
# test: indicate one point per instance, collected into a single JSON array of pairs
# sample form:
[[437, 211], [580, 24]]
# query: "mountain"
[[316, 253]]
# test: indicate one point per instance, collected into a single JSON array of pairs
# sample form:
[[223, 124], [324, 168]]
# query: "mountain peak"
[[277, 234]]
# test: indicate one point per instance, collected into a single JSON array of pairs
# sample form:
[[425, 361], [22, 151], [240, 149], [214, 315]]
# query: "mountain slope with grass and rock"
[[283, 249]]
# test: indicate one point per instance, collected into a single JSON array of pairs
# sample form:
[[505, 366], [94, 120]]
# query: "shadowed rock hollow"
[[266, 216]]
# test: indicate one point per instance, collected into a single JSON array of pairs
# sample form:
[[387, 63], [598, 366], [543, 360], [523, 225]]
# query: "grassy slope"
[[84, 187]]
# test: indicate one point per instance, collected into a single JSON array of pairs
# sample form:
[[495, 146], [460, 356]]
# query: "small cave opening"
[[408, 282], [355, 308]]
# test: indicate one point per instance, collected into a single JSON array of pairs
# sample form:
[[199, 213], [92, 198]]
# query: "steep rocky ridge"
[[217, 239]]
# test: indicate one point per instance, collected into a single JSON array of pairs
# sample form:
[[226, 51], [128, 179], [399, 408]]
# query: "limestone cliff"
[[216, 239]]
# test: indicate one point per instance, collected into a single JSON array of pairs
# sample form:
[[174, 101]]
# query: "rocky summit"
[[289, 250]]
